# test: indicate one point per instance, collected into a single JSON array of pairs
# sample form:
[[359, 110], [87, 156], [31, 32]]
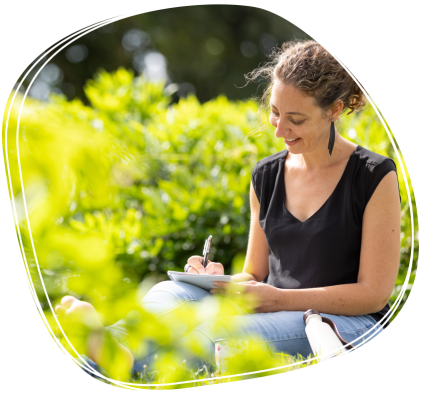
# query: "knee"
[[159, 292], [221, 327], [162, 286], [184, 290]]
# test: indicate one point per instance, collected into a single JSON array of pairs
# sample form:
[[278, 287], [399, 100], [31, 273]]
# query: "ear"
[[336, 109]]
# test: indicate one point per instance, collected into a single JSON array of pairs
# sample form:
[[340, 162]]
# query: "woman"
[[325, 222]]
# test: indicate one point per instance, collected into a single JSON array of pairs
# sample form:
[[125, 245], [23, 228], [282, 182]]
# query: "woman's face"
[[303, 125]]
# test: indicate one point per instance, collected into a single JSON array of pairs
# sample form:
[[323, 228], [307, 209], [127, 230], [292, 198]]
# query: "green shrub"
[[122, 191]]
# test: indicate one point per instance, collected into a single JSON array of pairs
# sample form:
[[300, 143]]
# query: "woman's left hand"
[[256, 296]]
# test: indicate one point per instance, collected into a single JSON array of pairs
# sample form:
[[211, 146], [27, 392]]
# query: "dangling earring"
[[331, 137]]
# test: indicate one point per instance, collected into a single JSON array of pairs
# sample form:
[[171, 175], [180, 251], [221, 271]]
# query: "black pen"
[[206, 250]]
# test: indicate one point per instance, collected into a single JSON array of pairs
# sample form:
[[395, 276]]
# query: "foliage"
[[208, 47], [121, 191]]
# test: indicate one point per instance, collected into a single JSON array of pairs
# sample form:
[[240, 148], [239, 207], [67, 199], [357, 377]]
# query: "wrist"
[[282, 299]]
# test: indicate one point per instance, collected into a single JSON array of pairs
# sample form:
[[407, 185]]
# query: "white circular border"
[[81, 30]]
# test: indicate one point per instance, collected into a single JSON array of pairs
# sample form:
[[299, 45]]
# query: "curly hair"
[[313, 70]]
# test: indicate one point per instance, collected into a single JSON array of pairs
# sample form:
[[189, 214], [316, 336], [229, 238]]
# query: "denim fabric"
[[283, 331]]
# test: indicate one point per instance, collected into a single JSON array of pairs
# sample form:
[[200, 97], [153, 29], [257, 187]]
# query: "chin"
[[293, 149]]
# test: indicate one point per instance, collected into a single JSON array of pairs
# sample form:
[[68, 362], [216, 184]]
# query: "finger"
[[217, 291], [214, 268], [251, 298], [196, 262], [233, 287], [195, 258], [192, 270]]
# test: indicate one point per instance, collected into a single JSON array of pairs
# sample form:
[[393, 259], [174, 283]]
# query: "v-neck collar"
[[327, 200]]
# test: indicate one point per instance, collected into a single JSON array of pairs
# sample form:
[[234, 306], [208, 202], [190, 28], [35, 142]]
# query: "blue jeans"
[[283, 331]]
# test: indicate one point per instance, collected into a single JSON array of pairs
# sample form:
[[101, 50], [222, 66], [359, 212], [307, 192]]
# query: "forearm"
[[240, 277], [346, 299]]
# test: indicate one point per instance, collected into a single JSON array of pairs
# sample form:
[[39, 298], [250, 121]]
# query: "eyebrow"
[[291, 112], [295, 113]]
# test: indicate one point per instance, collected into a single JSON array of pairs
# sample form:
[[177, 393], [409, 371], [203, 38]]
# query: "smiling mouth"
[[291, 139]]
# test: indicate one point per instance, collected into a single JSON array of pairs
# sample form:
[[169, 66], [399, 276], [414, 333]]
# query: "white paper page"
[[204, 281]]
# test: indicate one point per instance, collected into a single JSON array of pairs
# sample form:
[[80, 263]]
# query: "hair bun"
[[355, 100], [312, 69]]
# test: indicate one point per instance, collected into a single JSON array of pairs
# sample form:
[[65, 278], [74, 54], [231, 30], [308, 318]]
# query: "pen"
[[206, 250]]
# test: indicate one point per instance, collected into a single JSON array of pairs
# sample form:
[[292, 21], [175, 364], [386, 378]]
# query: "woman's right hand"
[[196, 266]]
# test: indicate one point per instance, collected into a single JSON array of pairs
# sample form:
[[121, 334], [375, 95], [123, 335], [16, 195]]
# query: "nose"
[[281, 129]]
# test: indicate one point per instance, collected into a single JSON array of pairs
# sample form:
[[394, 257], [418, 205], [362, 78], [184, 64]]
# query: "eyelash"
[[295, 123]]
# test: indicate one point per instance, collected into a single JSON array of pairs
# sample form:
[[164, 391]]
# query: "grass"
[[208, 374]]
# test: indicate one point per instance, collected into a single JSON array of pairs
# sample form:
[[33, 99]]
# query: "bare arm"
[[256, 266], [379, 263]]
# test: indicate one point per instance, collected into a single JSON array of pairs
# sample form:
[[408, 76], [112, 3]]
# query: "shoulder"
[[371, 160], [271, 161], [265, 172], [371, 168]]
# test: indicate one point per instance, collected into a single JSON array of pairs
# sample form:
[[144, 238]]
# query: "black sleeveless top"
[[325, 249]]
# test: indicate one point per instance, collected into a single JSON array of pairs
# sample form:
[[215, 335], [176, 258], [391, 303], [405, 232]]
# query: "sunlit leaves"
[[119, 192]]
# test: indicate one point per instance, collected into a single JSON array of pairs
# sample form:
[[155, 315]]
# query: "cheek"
[[273, 120]]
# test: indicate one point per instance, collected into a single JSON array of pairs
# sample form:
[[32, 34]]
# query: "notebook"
[[204, 281]]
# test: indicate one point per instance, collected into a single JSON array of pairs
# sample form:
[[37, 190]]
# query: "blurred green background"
[[204, 50], [133, 149]]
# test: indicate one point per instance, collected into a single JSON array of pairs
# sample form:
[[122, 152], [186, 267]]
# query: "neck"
[[319, 157]]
